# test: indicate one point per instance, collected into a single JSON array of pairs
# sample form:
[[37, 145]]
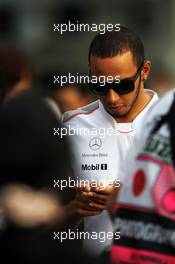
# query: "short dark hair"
[[112, 43]]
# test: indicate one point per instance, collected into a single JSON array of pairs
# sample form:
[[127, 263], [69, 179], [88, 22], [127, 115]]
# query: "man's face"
[[123, 66]]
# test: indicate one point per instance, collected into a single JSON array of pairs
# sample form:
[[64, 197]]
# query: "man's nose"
[[112, 96]]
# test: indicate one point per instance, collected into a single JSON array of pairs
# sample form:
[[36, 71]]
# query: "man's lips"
[[115, 107]]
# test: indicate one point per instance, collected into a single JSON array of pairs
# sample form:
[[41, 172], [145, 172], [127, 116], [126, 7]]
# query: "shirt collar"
[[112, 119]]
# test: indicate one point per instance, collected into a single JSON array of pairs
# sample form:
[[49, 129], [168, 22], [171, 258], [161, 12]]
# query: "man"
[[118, 114], [146, 202]]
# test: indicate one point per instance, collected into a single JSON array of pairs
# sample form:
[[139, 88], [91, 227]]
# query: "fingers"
[[85, 205], [85, 213], [83, 208], [98, 206], [92, 200], [105, 190], [95, 197], [102, 198], [83, 186]]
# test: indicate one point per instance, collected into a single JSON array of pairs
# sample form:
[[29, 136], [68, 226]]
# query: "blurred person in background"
[[72, 96], [161, 79], [144, 208], [31, 158], [68, 96], [15, 73]]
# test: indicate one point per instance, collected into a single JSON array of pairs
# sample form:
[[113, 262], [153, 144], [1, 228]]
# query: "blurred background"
[[28, 26]]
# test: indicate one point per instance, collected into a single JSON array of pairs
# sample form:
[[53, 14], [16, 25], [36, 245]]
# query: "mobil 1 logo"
[[94, 167]]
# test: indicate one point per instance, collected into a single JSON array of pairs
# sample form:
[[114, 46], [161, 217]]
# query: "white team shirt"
[[98, 152]]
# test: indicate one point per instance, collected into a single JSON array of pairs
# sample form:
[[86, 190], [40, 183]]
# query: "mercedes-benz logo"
[[95, 143]]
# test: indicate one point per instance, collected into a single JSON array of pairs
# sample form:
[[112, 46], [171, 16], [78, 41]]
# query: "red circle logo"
[[139, 182], [169, 201]]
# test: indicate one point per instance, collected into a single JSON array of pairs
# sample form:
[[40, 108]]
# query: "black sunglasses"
[[125, 86]]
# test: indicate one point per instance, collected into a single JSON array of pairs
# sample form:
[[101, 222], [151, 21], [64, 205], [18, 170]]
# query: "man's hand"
[[83, 202], [101, 194], [89, 201], [92, 200]]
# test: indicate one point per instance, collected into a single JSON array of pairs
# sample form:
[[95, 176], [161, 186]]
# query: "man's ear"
[[146, 70]]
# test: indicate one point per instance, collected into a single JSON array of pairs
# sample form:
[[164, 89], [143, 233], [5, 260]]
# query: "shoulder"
[[156, 113], [85, 110], [161, 106], [153, 95]]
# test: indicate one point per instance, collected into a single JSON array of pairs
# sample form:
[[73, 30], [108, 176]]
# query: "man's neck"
[[141, 102]]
